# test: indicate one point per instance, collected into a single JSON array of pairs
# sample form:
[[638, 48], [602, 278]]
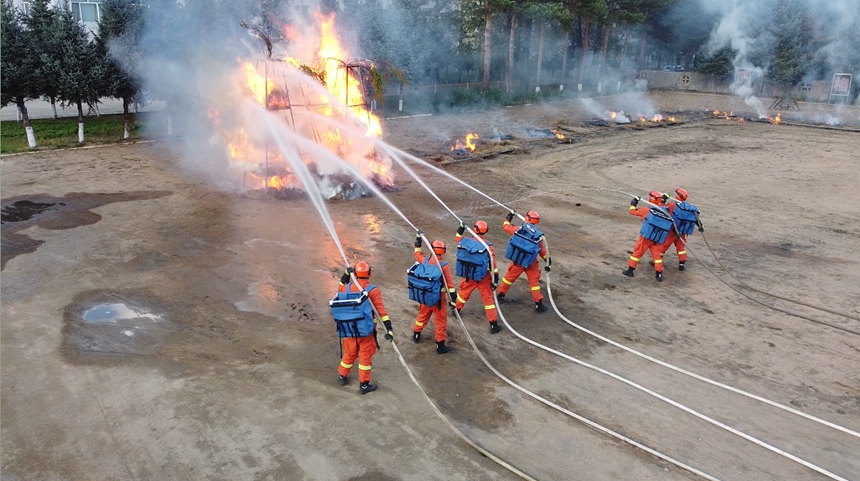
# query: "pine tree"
[[116, 47], [80, 71], [18, 63]]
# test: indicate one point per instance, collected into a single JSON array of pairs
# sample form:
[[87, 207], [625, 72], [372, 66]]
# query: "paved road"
[[39, 109]]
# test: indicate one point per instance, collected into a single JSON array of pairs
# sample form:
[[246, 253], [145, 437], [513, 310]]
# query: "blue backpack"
[[685, 217], [656, 226], [524, 246], [353, 314], [473, 260], [425, 283]]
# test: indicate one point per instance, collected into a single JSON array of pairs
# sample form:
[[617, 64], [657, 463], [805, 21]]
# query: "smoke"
[[215, 76], [785, 40]]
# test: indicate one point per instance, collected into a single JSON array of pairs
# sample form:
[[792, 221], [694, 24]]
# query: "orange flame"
[[613, 114], [657, 118], [558, 134], [671, 119], [468, 144]]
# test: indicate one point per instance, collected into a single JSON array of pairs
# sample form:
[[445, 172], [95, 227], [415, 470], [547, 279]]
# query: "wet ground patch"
[[112, 326], [54, 213]]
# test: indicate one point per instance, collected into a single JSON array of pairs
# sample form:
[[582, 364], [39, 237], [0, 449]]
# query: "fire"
[[340, 81], [468, 144], [775, 120], [657, 118], [671, 119], [613, 114], [558, 134], [278, 85]]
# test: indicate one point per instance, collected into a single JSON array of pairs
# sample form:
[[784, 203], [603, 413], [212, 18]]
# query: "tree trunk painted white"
[[22, 109], [80, 122], [31, 137], [54, 107]]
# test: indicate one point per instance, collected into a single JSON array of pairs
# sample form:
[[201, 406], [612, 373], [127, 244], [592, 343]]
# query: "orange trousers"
[[532, 274], [643, 245], [680, 245], [440, 319], [485, 287], [362, 348]]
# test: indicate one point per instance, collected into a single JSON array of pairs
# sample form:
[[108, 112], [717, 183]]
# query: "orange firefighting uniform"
[[439, 311], [514, 271], [672, 238], [362, 348], [485, 286], [643, 244]]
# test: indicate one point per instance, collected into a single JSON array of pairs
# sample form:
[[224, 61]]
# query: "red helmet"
[[362, 270], [439, 247], [481, 227], [655, 197], [681, 194], [533, 217]]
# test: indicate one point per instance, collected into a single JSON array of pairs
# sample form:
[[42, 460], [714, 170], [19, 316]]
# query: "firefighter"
[[532, 269], [439, 311], [656, 224], [684, 224], [486, 284], [359, 340]]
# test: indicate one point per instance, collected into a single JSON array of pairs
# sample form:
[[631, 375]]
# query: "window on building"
[[86, 11]]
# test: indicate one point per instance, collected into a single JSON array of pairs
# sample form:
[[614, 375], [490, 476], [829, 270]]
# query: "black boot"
[[416, 336], [366, 387], [495, 327], [659, 276], [651, 263], [629, 271], [502, 299], [441, 348], [342, 380], [540, 307], [681, 266]]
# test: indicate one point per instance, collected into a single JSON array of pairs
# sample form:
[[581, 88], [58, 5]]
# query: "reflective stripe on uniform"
[[460, 299], [658, 261], [384, 318], [452, 290], [347, 366], [496, 270], [506, 281], [536, 288], [419, 324], [417, 249], [682, 252], [362, 367], [491, 306], [634, 259]]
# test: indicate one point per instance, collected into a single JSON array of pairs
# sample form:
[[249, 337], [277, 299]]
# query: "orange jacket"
[[374, 295], [495, 267], [446, 269], [512, 229], [642, 212]]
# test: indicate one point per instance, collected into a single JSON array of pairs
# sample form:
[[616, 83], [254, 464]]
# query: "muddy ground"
[[226, 369]]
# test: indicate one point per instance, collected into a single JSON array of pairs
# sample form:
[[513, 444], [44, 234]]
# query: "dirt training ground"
[[226, 368]]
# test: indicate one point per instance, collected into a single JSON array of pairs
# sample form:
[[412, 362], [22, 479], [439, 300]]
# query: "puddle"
[[114, 312], [23, 210], [107, 326], [54, 213]]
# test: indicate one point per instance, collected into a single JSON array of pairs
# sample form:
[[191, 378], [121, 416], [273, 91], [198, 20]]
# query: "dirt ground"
[[228, 368]]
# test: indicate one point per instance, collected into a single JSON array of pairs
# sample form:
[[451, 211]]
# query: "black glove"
[[389, 333], [510, 216], [418, 238], [495, 283], [635, 201], [344, 279], [548, 266], [461, 229], [701, 228], [665, 198]]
